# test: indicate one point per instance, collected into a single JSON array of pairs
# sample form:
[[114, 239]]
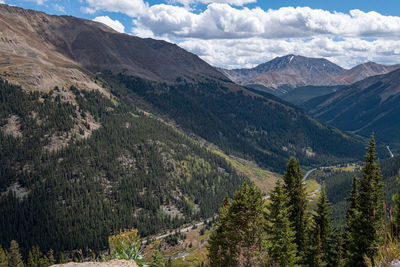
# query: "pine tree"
[[396, 199], [364, 216], [62, 258], [323, 250], [295, 190], [157, 260], [50, 256], [352, 251], [239, 231], [14, 256], [34, 257], [44, 261], [3, 258], [280, 242]]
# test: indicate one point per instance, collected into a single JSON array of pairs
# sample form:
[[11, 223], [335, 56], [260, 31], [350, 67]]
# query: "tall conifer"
[[364, 218], [14, 256], [239, 232], [280, 242], [295, 190], [324, 253], [3, 258]]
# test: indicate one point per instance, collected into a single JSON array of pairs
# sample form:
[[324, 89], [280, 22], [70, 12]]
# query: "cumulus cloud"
[[223, 21], [131, 8], [115, 24]]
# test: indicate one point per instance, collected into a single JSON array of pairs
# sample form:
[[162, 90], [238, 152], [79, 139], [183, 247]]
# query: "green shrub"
[[126, 246]]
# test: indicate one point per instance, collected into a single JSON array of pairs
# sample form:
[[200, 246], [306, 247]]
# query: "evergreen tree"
[[396, 199], [14, 256], [50, 256], [62, 258], [364, 216], [44, 261], [157, 260], [3, 258], [34, 257], [280, 242], [295, 190], [352, 226], [323, 250], [239, 232]]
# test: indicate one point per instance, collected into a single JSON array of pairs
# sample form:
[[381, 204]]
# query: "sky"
[[245, 33]]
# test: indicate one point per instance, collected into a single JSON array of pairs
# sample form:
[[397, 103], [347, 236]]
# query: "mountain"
[[370, 105], [41, 51], [110, 131], [282, 74], [363, 71], [290, 70]]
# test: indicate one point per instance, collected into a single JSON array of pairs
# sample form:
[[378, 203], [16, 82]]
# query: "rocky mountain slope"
[[41, 51], [363, 71], [371, 105], [280, 75]]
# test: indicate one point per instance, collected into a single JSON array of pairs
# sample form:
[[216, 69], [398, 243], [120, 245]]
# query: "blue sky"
[[244, 33]]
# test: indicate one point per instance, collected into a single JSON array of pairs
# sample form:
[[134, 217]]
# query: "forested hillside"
[[371, 105], [249, 124], [338, 185], [77, 165]]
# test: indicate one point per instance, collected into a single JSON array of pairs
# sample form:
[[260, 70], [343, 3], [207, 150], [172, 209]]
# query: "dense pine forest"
[[256, 127], [78, 166]]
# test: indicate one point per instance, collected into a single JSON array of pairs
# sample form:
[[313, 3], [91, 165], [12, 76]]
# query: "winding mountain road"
[[308, 173]]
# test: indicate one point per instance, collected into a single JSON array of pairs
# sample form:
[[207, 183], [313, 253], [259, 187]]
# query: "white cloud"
[[222, 21], [131, 8], [59, 8], [2, 2], [115, 24]]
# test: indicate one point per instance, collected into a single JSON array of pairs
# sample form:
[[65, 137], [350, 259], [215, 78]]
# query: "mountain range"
[[370, 105], [282, 74]]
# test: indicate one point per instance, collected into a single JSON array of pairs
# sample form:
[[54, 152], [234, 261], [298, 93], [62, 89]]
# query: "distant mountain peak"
[[291, 71]]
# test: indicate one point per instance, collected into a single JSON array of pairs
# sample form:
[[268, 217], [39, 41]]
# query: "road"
[[308, 173], [304, 178], [179, 231]]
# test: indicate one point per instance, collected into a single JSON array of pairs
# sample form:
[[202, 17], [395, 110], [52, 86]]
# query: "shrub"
[[126, 246]]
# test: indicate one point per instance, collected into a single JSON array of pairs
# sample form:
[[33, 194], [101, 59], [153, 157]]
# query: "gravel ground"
[[113, 263]]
